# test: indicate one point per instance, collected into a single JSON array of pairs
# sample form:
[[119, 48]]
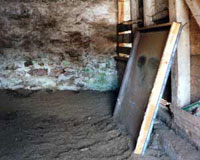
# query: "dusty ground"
[[63, 125]]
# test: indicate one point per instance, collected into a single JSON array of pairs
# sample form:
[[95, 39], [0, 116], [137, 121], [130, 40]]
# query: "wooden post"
[[149, 11], [178, 11], [134, 11], [124, 13]]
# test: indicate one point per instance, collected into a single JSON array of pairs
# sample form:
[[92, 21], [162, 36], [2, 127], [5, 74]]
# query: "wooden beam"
[[134, 11], [125, 50], [124, 11], [157, 91], [178, 11], [124, 27], [154, 27], [187, 125], [149, 11], [194, 6]]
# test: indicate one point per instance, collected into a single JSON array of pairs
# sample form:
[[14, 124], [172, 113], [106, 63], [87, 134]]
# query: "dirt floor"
[[64, 125]]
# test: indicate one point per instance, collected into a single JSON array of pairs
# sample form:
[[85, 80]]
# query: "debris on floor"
[[194, 108], [64, 125]]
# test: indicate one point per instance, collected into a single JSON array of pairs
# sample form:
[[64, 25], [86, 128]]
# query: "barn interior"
[[61, 68]]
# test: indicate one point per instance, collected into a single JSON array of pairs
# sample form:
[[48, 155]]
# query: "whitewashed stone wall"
[[58, 44]]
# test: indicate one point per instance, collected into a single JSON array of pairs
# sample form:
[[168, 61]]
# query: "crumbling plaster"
[[58, 44]]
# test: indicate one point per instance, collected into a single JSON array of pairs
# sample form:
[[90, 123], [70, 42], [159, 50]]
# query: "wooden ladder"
[[124, 28]]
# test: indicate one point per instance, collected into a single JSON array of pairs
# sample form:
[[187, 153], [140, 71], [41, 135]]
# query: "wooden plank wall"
[[195, 78], [195, 59], [194, 36]]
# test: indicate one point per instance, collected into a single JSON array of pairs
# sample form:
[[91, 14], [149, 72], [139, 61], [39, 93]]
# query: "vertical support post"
[[179, 12], [149, 11], [124, 13], [134, 11]]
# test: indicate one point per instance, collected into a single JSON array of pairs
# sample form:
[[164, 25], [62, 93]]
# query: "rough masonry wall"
[[58, 44]]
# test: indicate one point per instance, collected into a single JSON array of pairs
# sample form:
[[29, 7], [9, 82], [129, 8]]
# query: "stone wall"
[[58, 44]]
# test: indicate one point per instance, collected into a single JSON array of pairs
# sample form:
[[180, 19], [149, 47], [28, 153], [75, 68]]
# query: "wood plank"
[[128, 45], [162, 16], [149, 11], [187, 125], [124, 59], [158, 89], [125, 38], [125, 50], [194, 37], [135, 12], [183, 123], [139, 79], [161, 11], [120, 11], [180, 78], [176, 147], [123, 11], [125, 80], [124, 27], [194, 6], [154, 26]]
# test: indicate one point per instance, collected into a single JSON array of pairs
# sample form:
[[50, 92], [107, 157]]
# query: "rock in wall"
[[58, 44]]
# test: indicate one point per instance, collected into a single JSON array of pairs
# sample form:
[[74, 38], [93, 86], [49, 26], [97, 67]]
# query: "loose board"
[[144, 81]]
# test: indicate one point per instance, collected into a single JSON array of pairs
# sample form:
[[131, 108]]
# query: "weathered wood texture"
[[124, 12], [195, 37], [124, 27], [195, 59], [125, 38], [125, 50], [149, 11], [187, 124], [183, 123], [176, 147], [138, 81], [194, 6], [158, 88], [161, 10], [134, 11], [178, 11], [195, 78]]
